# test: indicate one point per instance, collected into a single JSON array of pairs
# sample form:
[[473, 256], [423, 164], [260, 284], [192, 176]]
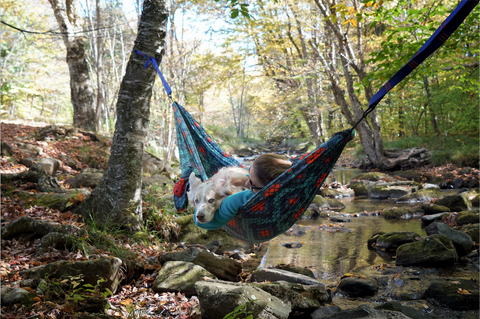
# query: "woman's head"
[[267, 167]]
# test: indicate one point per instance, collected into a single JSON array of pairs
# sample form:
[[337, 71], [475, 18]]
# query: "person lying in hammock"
[[264, 169]]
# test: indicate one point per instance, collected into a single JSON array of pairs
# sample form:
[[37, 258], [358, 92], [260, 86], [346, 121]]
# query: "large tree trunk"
[[68, 17], [117, 199]]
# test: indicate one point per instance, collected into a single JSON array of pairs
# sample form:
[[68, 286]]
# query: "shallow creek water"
[[331, 254]]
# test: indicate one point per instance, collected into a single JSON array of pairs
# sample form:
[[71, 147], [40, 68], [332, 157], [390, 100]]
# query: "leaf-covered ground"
[[135, 298]]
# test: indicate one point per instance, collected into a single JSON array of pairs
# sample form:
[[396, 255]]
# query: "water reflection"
[[331, 254]]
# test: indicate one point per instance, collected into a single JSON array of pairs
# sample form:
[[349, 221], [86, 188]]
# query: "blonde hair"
[[269, 166]]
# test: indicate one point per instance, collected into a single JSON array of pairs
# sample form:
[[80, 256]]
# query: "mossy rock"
[[456, 203], [330, 193], [431, 209], [191, 234], [359, 188], [384, 191], [432, 251], [422, 195], [60, 201], [393, 240], [467, 217], [373, 239], [335, 203], [320, 202], [446, 292], [372, 176], [393, 213], [471, 230]]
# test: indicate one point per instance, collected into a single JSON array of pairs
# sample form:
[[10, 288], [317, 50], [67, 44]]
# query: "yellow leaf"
[[353, 22]]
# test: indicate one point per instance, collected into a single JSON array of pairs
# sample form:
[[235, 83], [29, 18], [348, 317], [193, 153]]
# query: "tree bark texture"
[[67, 13], [117, 198]]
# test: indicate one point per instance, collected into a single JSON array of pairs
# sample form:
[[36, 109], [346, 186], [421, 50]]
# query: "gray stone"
[[88, 177], [447, 293], [340, 219], [217, 299], [408, 311], [335, 203], [433, 251], [358, 285], [393, 240], [298, 270], [330, 193], [384, 191], [467, 217], [221, 266], [51, 165], [29, 161], [92, 271], [366, 312], [69, 161], [180, 276], [403, 213], [11, 295], [428, 219], [325, 311], [462, 242], [265, 274], [157, 179], [299, 296]]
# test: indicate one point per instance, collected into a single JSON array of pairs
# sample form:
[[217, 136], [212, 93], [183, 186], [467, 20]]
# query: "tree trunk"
[[68, 17], [117, 199]]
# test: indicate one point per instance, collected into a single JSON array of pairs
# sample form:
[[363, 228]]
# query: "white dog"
[[207, 197]]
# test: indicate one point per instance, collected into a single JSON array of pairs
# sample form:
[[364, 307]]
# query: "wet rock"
[[340, 219], [431, 209], [373, 239], [335, 203], [330, 193], [429, 186], [408, 311], [372, 176], [403, 213], [299, 296], [467, 217], [476, 201], [456, 203], [320, 202], [180, 276], [11, 295], [471, 230], [458, 294], [393, 240], [292, 245], [92, 271], [428, 219], [359, 187], [298, 270], [462, 242], [358, 285], [262, 274], [422, 195], [384, 191], [366, 312], [324, 311], [217, 299], [88, 177], [222, 267], [432, 251]]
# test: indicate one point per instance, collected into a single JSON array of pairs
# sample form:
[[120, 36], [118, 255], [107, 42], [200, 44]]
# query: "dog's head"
[[208, 196]]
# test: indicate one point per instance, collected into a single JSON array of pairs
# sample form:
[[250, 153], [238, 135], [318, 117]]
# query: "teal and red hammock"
[[278, 205]]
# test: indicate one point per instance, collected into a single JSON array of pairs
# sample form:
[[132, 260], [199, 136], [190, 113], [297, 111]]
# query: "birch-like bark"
[[68, 17], [117, 199]]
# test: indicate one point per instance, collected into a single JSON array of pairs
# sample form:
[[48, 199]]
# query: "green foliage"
[[240, 312]]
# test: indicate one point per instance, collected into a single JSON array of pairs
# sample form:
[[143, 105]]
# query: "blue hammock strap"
[[154, 62], [451, 23]]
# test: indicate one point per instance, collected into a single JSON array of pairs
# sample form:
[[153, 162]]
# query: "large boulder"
[[403, 213], [422, 195], [408, 311], [462, 242], [385, 191], [458, 294], [11, 295], [266, 274], [180, 276], [472, 230], [88, 177], [90, 270], [428, 219], [432, 251], [431, 209], [456, 203], [217, 299], [366, 312], [467, 217], [299, 296], [393, 240], [358, 285], [359, 187]]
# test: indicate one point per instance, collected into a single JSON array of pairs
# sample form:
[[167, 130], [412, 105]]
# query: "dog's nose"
[[200, 217]]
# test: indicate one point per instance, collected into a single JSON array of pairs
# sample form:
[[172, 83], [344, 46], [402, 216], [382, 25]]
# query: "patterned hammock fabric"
[[275, 208], [282, 202]]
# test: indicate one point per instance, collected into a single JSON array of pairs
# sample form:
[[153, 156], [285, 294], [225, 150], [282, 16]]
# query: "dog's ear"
[[194, 181], [222, 179]]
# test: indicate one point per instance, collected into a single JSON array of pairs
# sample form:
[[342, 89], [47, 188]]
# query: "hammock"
[[278, 205]]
